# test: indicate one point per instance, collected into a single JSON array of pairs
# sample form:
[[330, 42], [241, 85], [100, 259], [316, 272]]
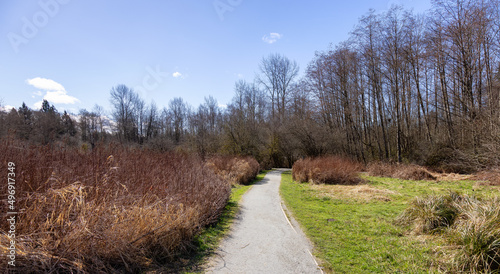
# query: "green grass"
[[209, 239], [360, 236]]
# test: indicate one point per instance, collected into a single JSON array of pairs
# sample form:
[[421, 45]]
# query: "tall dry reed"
[[236, 169], [107, 210]]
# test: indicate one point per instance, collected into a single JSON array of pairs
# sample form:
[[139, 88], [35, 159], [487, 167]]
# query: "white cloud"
[[55, 92], [272, 37], [223, 106], [177, 74], [44, 84], [60, 97], [37, 105]]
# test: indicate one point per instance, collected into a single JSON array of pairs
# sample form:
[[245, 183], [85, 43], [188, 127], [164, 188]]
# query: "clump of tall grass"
[[431, 214], [472, 225], [399, 171], [477, 233], [235, 169], [333, 170], [112, 209]]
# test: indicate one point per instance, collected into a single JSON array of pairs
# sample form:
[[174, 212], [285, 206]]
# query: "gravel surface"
[[262, 239]]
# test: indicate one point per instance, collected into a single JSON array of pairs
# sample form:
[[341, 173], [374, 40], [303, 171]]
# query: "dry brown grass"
[[470, 225], [491, 178], [361, 193], [109, 210], [235, 169], [400, 171], [327, 170]]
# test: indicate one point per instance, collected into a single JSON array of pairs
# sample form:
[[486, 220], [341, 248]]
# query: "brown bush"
[[109, 210], [236, 169], [490, 177], [400, 171], [327, 170]]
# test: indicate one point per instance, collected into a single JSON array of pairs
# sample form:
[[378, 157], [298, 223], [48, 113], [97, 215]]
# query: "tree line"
[[405, 87]]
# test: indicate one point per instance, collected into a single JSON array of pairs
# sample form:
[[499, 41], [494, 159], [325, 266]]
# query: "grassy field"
[[353, 227]]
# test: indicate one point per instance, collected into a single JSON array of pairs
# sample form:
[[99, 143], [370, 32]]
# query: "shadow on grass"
[[205, 244]]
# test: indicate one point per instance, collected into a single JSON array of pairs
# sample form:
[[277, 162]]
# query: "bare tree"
[[124, 101], [179, 112], [277, 74]]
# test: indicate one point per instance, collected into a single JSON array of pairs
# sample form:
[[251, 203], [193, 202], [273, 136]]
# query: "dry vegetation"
[[361, 193], [415, 172], [470, 224], [327, 170], [491, 177], [107, 210], [400, 171], [237, 170]]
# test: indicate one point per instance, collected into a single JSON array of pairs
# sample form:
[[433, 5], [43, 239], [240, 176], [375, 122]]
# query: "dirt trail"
[[262, 239]]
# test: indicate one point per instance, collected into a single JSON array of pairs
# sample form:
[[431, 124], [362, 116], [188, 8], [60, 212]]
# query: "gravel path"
[[262, 239]]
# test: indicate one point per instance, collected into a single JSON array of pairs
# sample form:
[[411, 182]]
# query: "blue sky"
[[72, 52]]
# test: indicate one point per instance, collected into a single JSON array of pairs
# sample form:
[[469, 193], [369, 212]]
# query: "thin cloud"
[[55, 93], [272, 37], [177, 74], [36, 93]]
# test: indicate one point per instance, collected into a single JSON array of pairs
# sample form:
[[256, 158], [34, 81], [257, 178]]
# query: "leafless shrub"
[[236, 169], [327, 170]]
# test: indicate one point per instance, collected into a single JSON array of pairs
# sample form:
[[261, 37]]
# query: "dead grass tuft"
[[477, 233], [471, 226], [431, 214]]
